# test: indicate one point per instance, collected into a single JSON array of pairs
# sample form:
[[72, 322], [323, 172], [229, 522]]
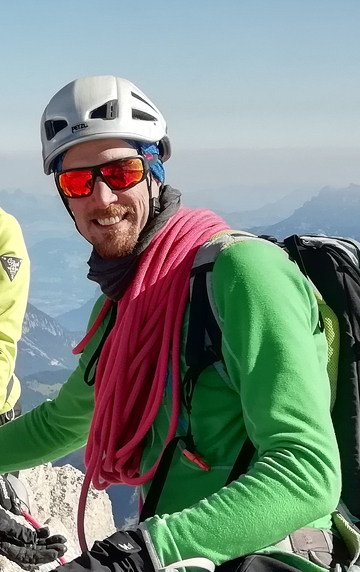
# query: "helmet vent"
[[143, 100], [53, 126], [106, 111], [142, 115]]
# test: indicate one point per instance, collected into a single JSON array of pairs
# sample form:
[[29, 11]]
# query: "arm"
[[57, 427], [14, 287], [276, 359]]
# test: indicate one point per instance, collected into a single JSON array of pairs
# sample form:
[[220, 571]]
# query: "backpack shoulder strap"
[[90, 370], [201, 321], [203, 346], [204, 330], [242, 461]]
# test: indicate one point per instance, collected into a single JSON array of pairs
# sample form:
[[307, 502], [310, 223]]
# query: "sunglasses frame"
[[96, 172]]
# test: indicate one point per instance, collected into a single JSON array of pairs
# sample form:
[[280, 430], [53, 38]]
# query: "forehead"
[[97, 152]]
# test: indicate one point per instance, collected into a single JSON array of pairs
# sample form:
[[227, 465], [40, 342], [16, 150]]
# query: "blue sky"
[[248, 75]]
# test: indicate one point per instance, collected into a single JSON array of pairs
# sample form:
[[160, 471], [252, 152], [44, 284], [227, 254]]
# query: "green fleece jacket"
[[274, 387], [14, 287]]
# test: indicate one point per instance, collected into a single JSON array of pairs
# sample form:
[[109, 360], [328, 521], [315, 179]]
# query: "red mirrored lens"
[[75, 183], [124, 174]]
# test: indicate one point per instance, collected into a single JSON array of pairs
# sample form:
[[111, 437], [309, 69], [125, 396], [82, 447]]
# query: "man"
[[14, 287], [106, 143]]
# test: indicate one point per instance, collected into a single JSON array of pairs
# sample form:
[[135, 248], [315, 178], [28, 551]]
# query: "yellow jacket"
[[14, 287]]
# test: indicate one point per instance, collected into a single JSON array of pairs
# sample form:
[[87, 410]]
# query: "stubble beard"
[[116, 243]]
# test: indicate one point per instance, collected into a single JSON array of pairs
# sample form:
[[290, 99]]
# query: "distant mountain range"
[[269, 214], [41, 216], [38, 387], [45, 345], [58, 274], [332, 211], [44, 360], [77, 320], [239, 198]]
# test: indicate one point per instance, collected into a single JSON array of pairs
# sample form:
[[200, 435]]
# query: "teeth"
[[108, 221]]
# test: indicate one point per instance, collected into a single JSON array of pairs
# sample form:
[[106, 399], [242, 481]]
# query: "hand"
[[29, 556], [8, 497], [124, 551], [26, 547]]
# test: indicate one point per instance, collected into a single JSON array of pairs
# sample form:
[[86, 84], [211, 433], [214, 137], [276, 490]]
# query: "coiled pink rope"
[[131, 373]]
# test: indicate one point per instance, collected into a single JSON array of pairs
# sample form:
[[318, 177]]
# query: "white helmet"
[[100, 107]]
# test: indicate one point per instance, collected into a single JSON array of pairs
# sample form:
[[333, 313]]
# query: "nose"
[[102, 195]]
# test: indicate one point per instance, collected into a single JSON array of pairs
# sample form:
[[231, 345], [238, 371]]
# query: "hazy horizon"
[[250, 177]]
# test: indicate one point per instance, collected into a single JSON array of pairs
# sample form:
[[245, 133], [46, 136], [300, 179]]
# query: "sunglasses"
[[119, 175]]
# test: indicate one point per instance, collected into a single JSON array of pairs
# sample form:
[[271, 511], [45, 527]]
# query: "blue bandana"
[[151, 152]]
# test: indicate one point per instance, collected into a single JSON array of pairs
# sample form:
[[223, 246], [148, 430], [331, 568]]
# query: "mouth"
[[109, 221]]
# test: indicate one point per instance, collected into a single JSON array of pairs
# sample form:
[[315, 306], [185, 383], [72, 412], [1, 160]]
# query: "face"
[[110, 220]]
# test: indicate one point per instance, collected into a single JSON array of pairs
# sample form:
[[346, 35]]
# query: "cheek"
[[77, 208], [73, 207], [141, 204], [145, 209]]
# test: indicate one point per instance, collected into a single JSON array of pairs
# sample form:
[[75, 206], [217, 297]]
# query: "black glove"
[[26, 547], [124, 551], [8, 497]]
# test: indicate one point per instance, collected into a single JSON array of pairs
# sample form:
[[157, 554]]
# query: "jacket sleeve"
[[276, 358], [14, 287], [54, 428]]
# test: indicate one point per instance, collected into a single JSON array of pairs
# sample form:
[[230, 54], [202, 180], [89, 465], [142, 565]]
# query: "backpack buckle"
[[196, 459]]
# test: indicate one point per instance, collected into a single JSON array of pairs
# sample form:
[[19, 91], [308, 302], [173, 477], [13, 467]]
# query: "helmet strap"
[[154, 203]]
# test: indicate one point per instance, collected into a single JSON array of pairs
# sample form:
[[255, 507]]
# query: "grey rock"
[[54, 493]]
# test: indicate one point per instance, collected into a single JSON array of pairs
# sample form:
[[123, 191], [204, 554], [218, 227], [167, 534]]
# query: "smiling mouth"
[[109, 221]]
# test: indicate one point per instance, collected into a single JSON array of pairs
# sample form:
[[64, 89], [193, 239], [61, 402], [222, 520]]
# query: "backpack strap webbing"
[[91, 366], [158, 482], [201, 321], [242, 461], [292, 245], [203, 345]]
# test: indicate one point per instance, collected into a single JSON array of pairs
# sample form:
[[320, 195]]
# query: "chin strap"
[[154, 207], [154, 203]]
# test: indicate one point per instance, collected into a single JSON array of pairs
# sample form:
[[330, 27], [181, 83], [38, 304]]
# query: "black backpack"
[[332, 264]]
